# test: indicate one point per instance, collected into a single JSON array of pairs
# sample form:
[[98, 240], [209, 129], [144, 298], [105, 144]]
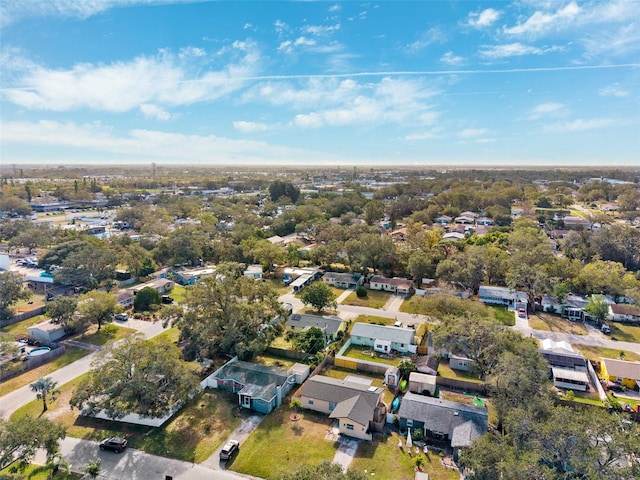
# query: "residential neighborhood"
[[387, 352]]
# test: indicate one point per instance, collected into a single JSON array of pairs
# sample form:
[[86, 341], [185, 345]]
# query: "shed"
[[46, 332], [392, 377], [422, 383]]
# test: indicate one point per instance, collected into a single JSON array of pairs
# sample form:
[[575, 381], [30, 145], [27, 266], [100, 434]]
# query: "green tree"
[[55, 461], [597, 308], [147, 267], [62, 310], [146, 299], [93, 468], [96, 307], [373, 211], [21, 437], [295, 404], [283, 188], [319, 295], [45, 388], [11, 292], [311, 340], [406, 366], [228, 313], [9, 354], [135, 376]]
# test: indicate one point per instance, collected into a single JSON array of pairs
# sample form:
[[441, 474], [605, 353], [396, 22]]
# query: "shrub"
[[570, 395], [361, 292], [110, 330]]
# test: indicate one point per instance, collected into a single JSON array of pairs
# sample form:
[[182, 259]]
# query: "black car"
[[114, 443], [229, 449], [167, 299]]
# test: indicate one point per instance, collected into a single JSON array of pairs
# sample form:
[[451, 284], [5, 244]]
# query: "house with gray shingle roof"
[[382, 338], [343, 280], [355, 404], [440, 419], [330, 325]]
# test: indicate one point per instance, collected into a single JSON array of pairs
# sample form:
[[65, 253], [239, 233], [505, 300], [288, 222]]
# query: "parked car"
[[229, 449], [167, 299], [115, 444], [605, 328], [122, 317], [522, 313]]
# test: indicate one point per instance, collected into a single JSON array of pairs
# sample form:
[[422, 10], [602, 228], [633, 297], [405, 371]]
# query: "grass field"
[[412, 305], [279, 444], [104, 336], [383, 460], [594, 353], [70, 355], [374, 299], [555, 323], [446, 371], [624, 332], [23, 471], [193, 434], [177, 293], [503, 315]]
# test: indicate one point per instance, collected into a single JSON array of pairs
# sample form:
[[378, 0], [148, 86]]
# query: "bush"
[[110, 330], [361, 292]]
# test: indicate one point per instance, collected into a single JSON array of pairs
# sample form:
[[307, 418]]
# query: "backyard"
[[555, 323], [19, 329], [367, 353], [374, 299], [447, 372], [376, 380]]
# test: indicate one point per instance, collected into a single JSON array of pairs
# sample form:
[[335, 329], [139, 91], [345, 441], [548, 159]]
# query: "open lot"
[[193, 434], [374, 299], [555, 323], [280, 444]]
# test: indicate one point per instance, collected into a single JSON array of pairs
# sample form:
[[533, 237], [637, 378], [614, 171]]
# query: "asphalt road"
[[134, 464]]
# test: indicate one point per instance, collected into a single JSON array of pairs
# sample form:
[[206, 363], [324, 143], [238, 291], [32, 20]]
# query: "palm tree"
[[55, 461], [93, 469], [45, 387]]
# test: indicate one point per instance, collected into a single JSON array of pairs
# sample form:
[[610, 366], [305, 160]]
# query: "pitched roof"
[[440, 415], [330, 324], [395, 281], [618, 309], [622, 369], [358, 408], [344, 277], [258, 380], [382, 332], [464, 435], [334, 390]]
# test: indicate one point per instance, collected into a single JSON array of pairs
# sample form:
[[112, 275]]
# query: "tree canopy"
[[319, 295], [21, 437], [135, 376], [228, 313], [11, 292]]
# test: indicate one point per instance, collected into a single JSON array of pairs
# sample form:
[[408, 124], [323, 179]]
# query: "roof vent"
[[456, 413]]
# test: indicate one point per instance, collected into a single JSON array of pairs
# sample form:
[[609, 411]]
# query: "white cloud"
[[545, 109], [579, 125], [247, 26], [513, 50], [161, 80], [542, 22], [472, 132], [289, 46], [153, 111], [450, 59], [334, 8], [431, 36], [613, 42], [412, 137], [614, 90], [485, 18], [144, 144], [250, 127], [281, 27], [320, 30]]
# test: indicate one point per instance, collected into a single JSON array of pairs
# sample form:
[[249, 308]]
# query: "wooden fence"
[[33, 362]]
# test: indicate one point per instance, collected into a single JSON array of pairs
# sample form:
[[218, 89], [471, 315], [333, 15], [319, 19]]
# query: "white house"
[[253, 271], [502, 296], [399, 286], [624, 313], [382, 338]]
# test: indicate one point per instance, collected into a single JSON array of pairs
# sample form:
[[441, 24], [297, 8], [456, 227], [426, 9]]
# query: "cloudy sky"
[[528, 82]]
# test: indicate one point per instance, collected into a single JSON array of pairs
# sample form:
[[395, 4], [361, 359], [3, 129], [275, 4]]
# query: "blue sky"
[[528, 82]]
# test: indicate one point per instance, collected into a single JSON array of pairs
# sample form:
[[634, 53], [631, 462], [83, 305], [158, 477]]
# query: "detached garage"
[[46, 332]]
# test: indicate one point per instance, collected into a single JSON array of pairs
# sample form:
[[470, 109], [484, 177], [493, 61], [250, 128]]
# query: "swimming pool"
[[36, 352]]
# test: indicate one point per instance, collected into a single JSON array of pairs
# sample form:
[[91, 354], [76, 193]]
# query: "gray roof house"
[[259, 387], [383, 338], [502, 296], [331, 325], [457, 423], [343, 280], [353, 402]]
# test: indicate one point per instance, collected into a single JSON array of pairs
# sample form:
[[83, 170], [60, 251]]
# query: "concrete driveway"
[[248, 425]]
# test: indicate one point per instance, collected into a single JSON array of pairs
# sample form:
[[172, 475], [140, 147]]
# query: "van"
[[605, 329]]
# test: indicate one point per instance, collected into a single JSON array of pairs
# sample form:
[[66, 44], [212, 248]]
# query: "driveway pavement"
[[241, 433], [346, 450]]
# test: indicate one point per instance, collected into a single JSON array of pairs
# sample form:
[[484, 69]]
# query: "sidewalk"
[[343, 296]]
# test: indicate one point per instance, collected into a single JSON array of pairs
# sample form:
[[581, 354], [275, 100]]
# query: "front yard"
[[109, 332], [555, 323], [594, 353], [37, 472], [192, 435], [624, 332], [280, 444], [373, 319], [503, 315], [374, 299]]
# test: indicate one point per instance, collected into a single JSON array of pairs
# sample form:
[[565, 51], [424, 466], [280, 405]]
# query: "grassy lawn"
[[36, 472], [412, 305], [382, 459], [374, 299], [555, 323], [278, 286], [283, 343], [169, 337], [273, 361], [70, 355], [587, 398], [19, 329], [594, 353], [193, 434], [625, 333], [503, 315], [279, 444], [373, 319], [177, 293], [36, 301], [102, 337], [366, 353], [446, 371]]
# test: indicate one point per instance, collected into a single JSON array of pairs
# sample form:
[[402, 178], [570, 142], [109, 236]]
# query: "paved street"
[[134, 464]]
